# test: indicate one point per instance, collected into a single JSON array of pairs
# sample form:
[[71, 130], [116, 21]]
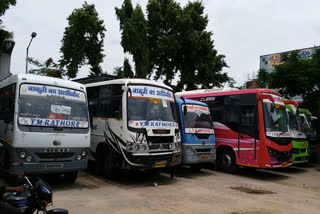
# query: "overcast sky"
[[243, 30]]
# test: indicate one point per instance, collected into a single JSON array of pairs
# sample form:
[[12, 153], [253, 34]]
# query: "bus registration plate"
[[54, 165], [160, 164], [204, 157], [285, 164]]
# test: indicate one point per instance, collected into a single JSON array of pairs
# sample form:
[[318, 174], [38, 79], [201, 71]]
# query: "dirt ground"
[[290, 190]]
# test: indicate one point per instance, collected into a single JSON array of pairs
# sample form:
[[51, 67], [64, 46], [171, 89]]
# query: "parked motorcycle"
[[36, 198]]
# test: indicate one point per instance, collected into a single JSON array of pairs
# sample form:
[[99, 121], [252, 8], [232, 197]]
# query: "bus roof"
[[32, 78], [304, 111], [189, 101], [186, 94], [129, 81]]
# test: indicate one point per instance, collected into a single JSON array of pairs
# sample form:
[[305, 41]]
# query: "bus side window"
[[93, 101], [249, 115], [7, 103], [110, 99], [226, 111]]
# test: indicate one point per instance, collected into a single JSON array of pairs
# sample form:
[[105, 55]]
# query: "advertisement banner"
[[44, 90], [153, 124], [150, 92], [52, 122]]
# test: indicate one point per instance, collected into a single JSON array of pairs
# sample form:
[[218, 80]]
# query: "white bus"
[[134, 124], [44, 125]]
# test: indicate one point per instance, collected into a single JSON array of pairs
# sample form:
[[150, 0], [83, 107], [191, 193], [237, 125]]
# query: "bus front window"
[[151, 106], [61, 108], [274, 118], [197, 119], [150, 109], [293, 122]]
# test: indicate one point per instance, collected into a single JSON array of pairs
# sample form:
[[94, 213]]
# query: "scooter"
[[36, 198]]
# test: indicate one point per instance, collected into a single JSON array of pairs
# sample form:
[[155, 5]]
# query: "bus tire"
[[108, 165], [100, 152], [227, 161], [71, 177], [5, 159]]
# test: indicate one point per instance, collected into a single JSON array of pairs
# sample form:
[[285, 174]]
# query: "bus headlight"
[[129, 146], [84, 153], [143, 148], [137, 147], [29, 158], [23, 154], [79, 157]]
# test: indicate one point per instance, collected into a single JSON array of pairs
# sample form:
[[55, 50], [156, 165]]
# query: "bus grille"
[[161, 131], [203, 136], [55, 155], [203, 150], [159, 146], [158, 139]]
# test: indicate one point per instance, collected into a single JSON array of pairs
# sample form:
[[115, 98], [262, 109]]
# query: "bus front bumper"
[[49, 167], [153, 160], [193, 154]]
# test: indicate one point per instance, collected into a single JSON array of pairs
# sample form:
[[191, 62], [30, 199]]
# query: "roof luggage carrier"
[[92, 79]]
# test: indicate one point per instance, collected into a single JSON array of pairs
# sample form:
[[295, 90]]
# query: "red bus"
[[251, 127]]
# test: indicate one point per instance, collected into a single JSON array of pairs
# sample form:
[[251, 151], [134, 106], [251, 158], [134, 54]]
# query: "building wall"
[[268, 62]]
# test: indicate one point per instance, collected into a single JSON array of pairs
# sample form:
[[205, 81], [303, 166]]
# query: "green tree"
[[4, 5], [82, 41], [164, 41], [47, 68], [180, 45], [199, 63], [134, 36], [298, 76], [125, 71], [172, 41], [263, 78]]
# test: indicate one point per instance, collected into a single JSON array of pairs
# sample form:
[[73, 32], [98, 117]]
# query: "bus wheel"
[[71, 177], [227, 161], [4, 159], [100, 161], [108, 165]]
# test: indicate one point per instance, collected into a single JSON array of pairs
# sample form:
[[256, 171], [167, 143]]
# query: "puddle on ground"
[[252, 190]]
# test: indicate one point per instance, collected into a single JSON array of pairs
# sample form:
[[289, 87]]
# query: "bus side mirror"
[[185, 110], [265, 96]]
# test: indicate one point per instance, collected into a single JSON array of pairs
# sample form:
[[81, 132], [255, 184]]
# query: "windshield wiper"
[[281, 134], [57, 128], [197, 131]]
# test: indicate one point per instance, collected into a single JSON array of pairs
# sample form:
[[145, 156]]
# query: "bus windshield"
[[41, 105], [274, 118], [151, 106], [197, 119], [293, 122]]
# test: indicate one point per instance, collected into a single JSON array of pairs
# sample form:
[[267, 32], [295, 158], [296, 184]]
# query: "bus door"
[[248, 130]]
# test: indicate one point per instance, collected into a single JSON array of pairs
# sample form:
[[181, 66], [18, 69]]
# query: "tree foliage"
[[4, 5], [124, 71], [263, 79], [298, 76], [134, 36], [47, 68], [199, 62], [173, 41], [82, 41], [163, 38]]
